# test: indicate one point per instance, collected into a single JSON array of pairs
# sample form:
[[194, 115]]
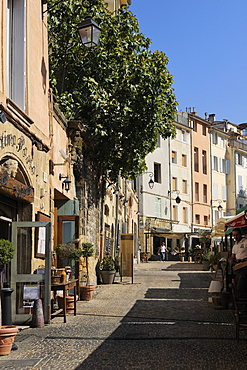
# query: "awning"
[[239, 220], [219, 228]]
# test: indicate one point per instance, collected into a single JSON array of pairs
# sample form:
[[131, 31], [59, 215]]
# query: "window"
[[184, 136], [215, 138], [174, 183], [157, 172], [238, 158], [175, 213], [185, 215], [184, 186], [215, 191], [222, 142], [205, 190], [205, 220], [215, 161], [204, 130], [194, 126], [196, 162], [184, 160], [17, 45], [204, 162], [158, 207], [197, 191], [223, 192], [158, 141], [174, 157], [240, 183], [197, 219]]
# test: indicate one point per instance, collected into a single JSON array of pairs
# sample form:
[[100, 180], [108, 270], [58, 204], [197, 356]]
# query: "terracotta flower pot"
[[86, 292], [7, 337], [69, 302]]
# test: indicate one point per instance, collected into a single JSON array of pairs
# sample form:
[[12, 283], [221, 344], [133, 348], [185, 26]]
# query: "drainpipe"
[[102, 221]]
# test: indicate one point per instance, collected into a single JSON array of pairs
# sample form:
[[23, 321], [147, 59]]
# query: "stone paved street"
[[162, 321]]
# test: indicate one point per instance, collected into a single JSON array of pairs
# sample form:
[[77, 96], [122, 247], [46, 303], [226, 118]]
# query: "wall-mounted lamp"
[[88, 29], [3, 118], [177, 199], [151, 181], [220, 207], [66, 182], [89, 32], [38, 145]]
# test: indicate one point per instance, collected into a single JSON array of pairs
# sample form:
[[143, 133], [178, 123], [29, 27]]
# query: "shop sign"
[[17, 144], [15, 189]]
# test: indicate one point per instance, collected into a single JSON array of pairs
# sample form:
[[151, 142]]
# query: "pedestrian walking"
[[162, 251]]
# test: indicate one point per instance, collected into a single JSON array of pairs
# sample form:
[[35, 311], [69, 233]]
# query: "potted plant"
[[7, 251], [86, 291], [213, 261], [7, 333], [68, 251], [107, 269]]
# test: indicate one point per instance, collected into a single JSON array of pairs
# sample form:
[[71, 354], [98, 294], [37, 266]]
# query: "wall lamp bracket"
[[66, 182], [177, 199]]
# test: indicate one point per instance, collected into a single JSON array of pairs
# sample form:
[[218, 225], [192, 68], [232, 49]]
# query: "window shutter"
[[223, 192], [215, 189], [228, 169], [17, 46]]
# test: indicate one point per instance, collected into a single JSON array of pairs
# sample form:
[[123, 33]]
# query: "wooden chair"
[[240, 307]]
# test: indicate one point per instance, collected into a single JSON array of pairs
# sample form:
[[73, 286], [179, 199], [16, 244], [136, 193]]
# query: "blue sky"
[[205, 42]]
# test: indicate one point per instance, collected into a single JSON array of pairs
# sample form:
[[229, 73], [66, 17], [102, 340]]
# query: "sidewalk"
[[162, 321]]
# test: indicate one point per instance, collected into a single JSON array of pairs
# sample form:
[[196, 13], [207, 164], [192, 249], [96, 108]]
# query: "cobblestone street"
[[162, 321]]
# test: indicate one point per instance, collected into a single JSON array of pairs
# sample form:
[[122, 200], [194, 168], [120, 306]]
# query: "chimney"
[[212, 117]]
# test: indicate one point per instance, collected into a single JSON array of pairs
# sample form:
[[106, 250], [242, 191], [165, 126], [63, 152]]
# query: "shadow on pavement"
[[186, 266], [172, 328]]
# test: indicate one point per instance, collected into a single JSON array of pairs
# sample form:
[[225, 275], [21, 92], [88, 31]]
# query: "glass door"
[[24, 273]]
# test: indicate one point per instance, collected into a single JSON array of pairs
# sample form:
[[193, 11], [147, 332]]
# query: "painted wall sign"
[[17, 144]]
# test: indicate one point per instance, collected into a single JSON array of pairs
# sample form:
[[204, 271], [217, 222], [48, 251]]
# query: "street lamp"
[[89, 32], [177, 199]]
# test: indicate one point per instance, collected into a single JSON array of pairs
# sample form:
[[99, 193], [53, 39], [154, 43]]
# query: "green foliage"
[[69, 251], [107, 264], [87, 250], [121, 91], [214, 260], [7, 251]]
